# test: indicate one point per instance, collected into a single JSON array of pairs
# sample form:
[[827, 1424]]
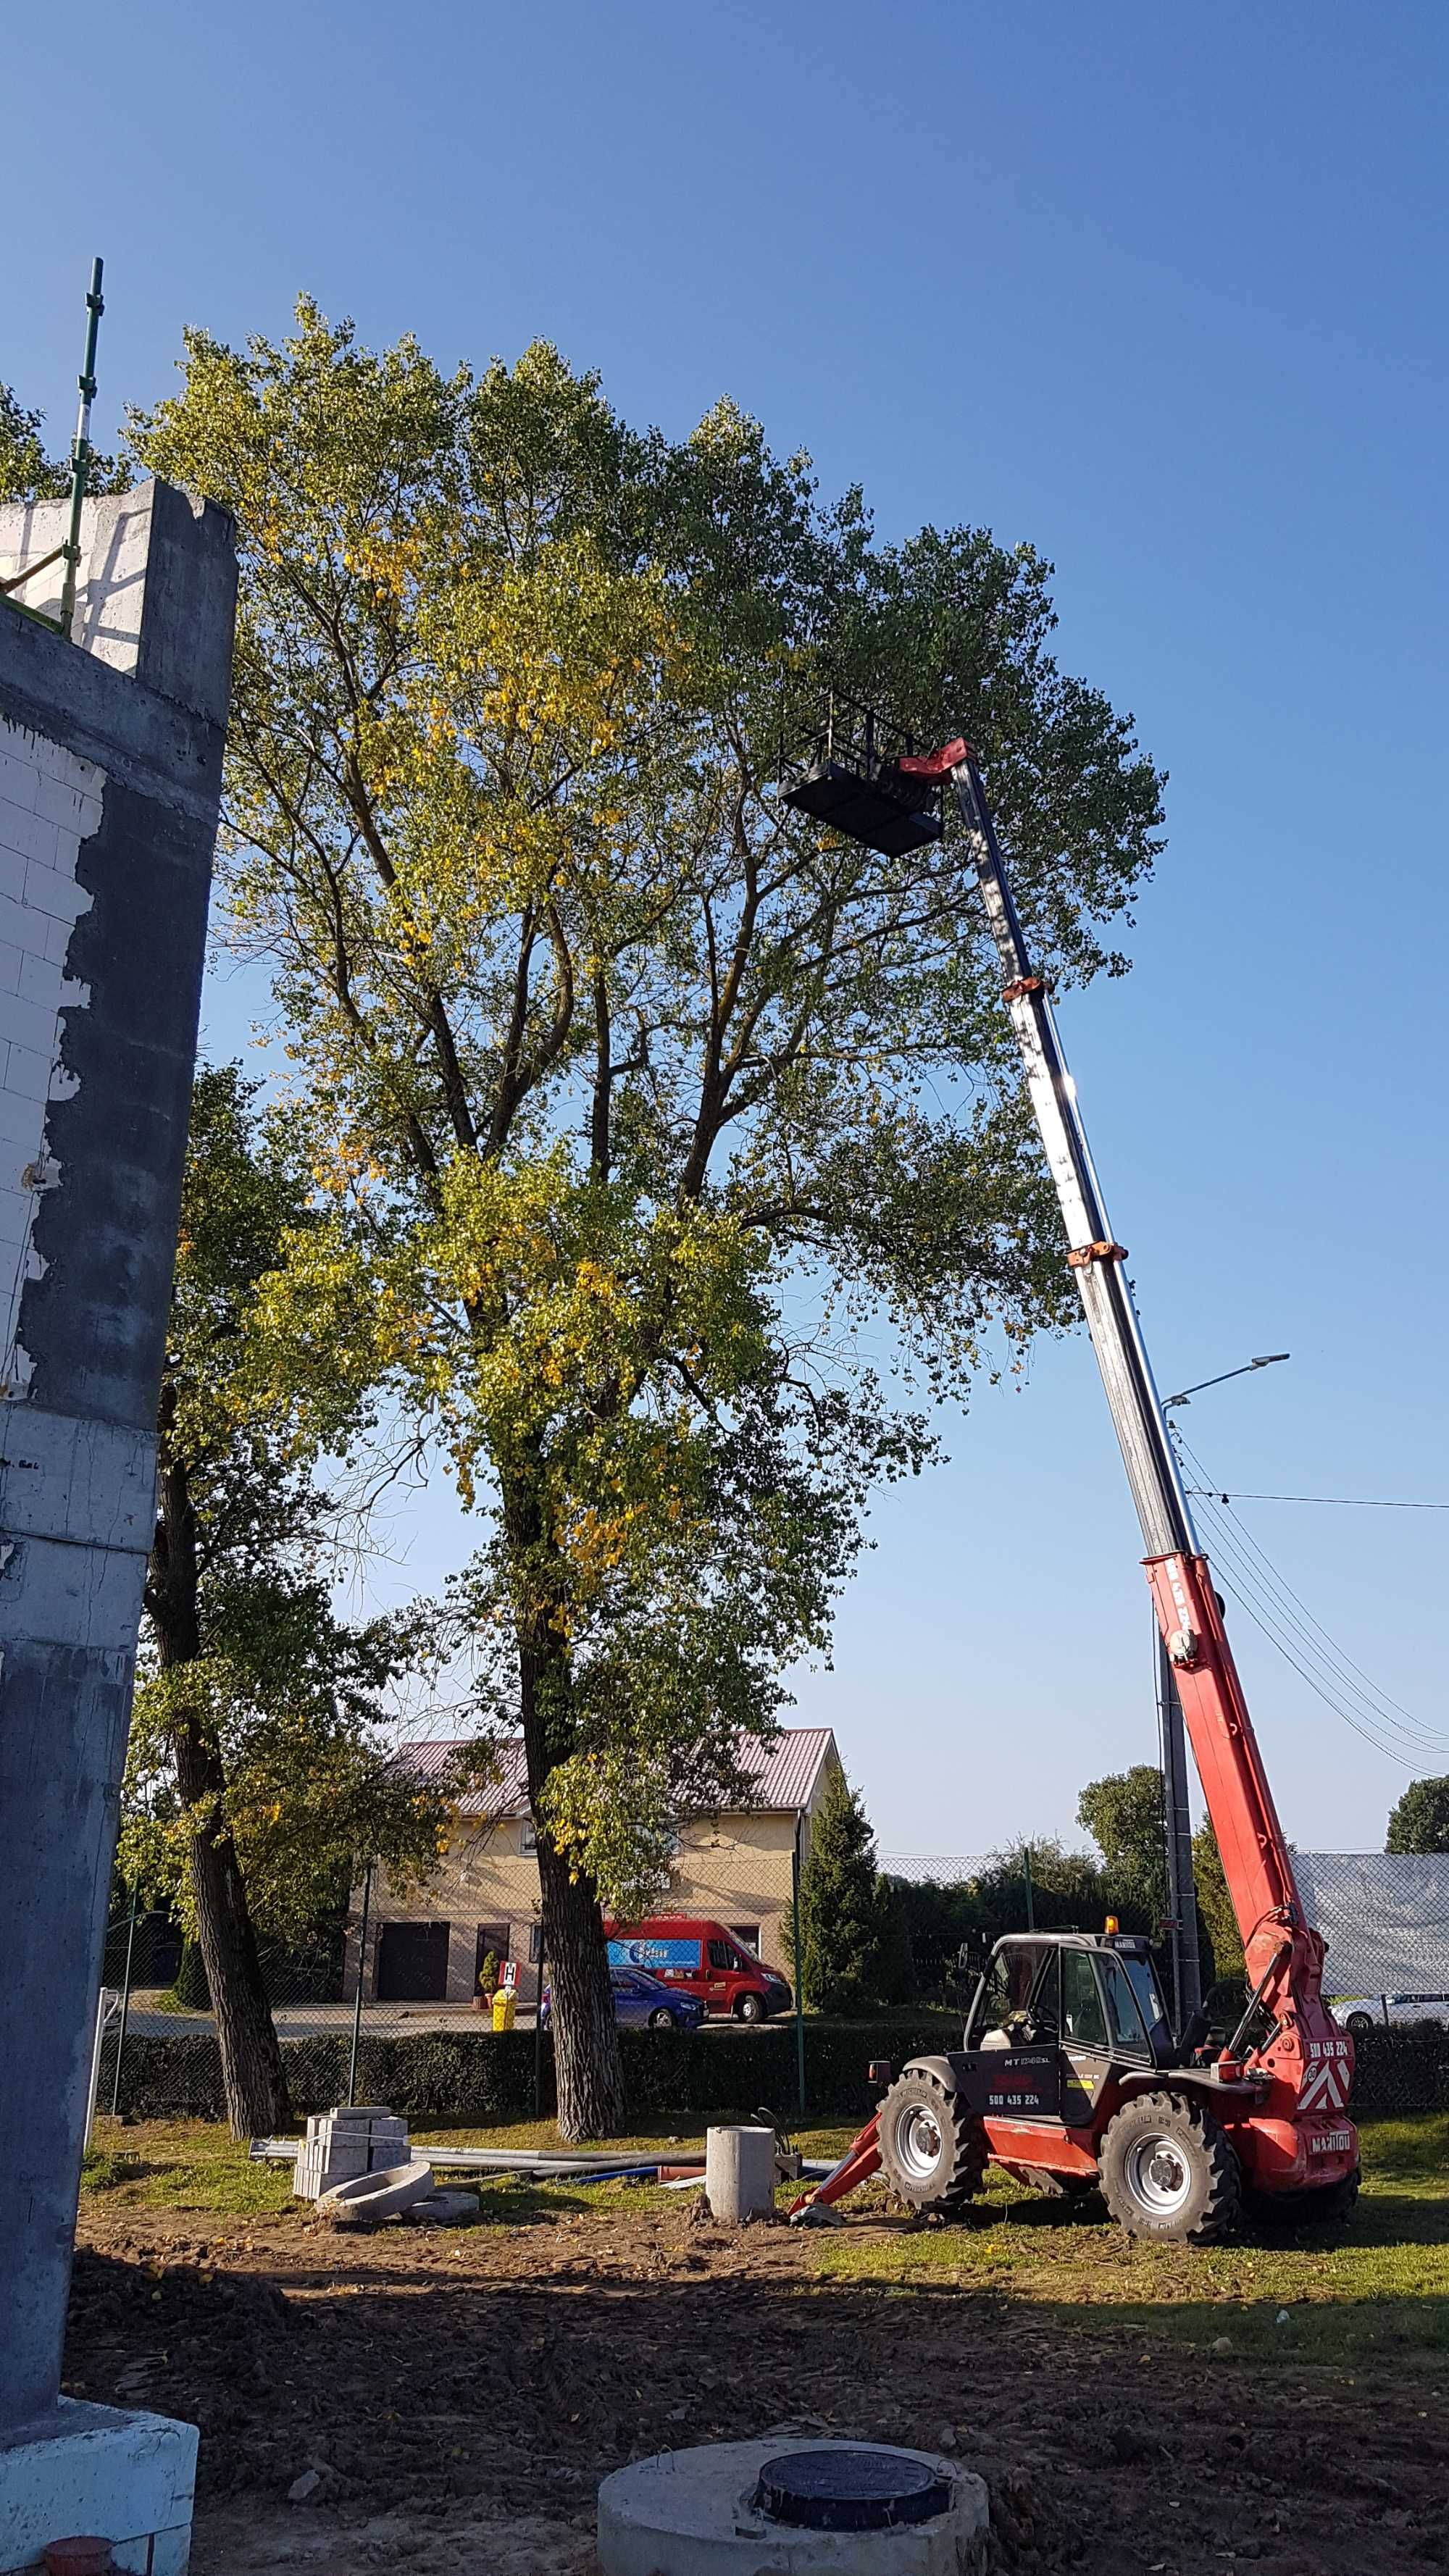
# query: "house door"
[[412, 1963], [491, 1937]]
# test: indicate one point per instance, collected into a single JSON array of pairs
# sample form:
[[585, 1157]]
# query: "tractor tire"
[[1168, 2172], [932, 2149]]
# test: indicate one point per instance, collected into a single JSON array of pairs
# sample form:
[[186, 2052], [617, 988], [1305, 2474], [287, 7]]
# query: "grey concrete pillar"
[[110, 777], [739, 2173]]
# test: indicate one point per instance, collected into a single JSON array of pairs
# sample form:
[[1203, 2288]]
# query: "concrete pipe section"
[[852, 2508], [739, 2174], [368, 2197]]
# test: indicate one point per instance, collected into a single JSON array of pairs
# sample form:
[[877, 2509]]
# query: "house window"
[[528, 1837], [748, 1937]]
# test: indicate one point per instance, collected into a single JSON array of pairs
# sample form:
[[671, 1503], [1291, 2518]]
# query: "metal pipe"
[[357, 1998], [538, 2032], [102, 2000], [1256, 1997], [1026, 1883], [80, 454], [125, 2006]]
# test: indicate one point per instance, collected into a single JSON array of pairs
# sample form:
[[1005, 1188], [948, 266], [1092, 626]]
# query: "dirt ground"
[[459, 2394]]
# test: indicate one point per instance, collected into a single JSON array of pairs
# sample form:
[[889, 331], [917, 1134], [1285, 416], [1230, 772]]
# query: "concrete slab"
[[130, 2475]]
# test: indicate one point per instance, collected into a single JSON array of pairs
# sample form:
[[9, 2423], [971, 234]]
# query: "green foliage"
[[289, 1698], [849, 1924], [477, 2077], [639, 1098], [1124, 1816], [1215, 1909], [28, 474], [188, 1991], [1420, 1821]]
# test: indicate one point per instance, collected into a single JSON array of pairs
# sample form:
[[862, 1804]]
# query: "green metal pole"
[[1026, 1882], [357, 2000], [799, 1965], [80, 454]]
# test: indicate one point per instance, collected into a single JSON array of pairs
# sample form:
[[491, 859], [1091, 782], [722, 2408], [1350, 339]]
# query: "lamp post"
[[1176, 1814]]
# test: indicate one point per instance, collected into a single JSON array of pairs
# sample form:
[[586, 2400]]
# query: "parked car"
[[692, 1956], [1367, 2012], [641, 2002]]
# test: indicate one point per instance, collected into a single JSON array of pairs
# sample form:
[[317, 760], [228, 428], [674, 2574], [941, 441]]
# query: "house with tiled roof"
[[427, 1946]]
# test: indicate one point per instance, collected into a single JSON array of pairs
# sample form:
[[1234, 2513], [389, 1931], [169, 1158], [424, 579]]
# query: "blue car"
[[642, 2002]]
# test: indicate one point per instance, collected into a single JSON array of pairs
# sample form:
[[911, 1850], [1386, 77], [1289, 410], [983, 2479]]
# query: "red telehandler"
[[1069, 2074]]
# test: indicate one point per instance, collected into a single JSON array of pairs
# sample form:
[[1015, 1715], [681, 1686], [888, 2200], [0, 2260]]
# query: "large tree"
[[258, 1776], [1420, 1820], [1123, 1814], [666, 1118]]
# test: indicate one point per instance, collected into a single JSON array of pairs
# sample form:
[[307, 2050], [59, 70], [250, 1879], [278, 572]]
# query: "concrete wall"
[[110, 776], [734, 1868]]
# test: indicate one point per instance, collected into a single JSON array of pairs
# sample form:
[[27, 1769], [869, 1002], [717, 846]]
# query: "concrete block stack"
[[341, 2144]]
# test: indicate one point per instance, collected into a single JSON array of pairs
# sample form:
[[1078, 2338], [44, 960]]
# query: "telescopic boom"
[[1311, 2064]]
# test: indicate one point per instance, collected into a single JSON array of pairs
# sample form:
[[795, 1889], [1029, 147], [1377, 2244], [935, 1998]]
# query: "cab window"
[[1148, 1992], [1084, 2023], [1022, 1982], [1124, 2021], [721, 1955]]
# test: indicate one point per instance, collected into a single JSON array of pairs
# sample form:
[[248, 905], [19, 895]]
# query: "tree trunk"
[[253, 2083], [251, 2061], [587, 2065]]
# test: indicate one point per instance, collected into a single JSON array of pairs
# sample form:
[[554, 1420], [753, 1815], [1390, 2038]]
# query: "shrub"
[[477, 2078]]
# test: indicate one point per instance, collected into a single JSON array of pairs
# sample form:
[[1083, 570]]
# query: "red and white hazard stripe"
[[1325, 2087]]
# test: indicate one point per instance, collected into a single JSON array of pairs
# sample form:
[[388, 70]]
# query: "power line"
[[1355, 1502], [1380, 1704], [1291, 1626]]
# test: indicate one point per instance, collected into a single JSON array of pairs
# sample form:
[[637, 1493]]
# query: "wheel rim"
[[918, 2142], [1159, 2175], [663, 2020]]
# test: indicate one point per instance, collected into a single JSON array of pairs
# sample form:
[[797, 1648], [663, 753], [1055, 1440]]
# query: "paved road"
[[379, 2021]]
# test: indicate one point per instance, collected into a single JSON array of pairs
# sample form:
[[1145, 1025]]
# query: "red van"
[[705, 1960]]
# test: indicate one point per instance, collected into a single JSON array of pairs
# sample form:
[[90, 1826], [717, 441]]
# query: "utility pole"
[[1176, 1813]]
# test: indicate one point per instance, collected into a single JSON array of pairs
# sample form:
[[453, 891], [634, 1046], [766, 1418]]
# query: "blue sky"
[[1162, 292]]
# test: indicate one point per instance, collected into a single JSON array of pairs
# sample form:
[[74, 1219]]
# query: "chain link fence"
[[1383, 1915], [153, 1988]]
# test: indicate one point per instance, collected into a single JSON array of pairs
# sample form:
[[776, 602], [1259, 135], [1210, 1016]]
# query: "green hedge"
[[477, 2078], [1405, 2068]]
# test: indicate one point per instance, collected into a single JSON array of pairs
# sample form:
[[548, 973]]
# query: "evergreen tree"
[[842, 1918]]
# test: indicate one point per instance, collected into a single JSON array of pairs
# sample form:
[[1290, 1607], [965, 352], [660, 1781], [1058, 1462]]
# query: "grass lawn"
[[1347, 2296]]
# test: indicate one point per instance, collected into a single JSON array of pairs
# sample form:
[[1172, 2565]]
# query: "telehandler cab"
[[1069, 2075]]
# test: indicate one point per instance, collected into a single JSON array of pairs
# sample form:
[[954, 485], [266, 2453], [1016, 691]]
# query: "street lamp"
[[1269, 1359], [1176, 1814]]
